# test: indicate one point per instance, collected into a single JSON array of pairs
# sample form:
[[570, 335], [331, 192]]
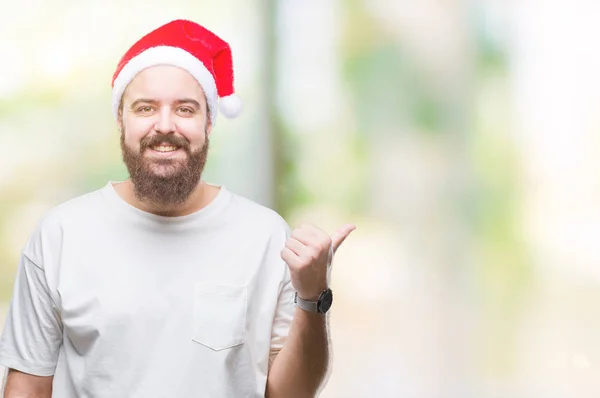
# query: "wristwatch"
[[321, 306]]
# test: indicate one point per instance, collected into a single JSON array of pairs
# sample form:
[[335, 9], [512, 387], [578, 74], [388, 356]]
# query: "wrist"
[[310, 297], [313, 294], [320, 304]]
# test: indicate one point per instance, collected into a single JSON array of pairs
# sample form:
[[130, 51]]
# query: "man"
[[164, 285]]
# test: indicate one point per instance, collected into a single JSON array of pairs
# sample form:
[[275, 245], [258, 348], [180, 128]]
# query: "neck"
[[201, 196]]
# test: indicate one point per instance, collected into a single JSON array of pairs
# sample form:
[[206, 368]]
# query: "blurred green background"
[[459, 136]]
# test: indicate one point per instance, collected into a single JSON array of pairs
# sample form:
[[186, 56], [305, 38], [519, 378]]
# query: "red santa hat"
[[187, 45]]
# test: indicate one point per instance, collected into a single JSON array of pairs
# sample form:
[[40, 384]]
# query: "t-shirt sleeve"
[[32, 333], [284, 313]]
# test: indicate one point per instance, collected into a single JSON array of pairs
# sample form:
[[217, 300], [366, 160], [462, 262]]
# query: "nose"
[[165, 123]]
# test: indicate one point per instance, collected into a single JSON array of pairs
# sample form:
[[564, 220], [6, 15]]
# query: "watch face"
[[325, 301]]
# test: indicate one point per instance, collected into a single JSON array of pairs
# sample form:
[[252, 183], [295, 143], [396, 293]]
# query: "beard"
[[165, 182]]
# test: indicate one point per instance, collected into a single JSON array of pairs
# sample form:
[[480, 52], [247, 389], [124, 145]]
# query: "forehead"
[[164, 82]]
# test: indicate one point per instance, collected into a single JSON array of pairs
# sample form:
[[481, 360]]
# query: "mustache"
[[169, 139]]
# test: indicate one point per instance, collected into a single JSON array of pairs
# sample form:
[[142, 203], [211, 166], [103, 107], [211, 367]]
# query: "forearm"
[[23, 385], [301, 367]]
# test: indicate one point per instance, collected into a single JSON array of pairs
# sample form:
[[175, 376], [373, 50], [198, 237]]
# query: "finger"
[[305, 236], [303, 252], [340, 235], [295, 246], [330, 255], [290, 258]]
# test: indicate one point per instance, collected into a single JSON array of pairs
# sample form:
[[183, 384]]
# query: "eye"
[[185, 111], [144, 109]]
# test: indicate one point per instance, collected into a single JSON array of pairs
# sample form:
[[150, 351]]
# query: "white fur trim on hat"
[[165, 55]]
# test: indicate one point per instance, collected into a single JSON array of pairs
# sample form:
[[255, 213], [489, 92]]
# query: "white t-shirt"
[[119, 303]]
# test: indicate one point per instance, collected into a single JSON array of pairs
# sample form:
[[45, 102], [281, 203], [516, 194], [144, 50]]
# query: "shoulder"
[[52, 225], [74, 209], [260, 217]]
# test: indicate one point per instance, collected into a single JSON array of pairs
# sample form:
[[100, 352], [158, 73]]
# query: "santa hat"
[[187, 45]]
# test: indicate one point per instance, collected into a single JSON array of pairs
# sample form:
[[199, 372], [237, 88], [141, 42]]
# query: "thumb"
[[340, 235]]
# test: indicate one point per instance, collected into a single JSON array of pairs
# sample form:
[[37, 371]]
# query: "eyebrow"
[[188, 101], [177, 102]]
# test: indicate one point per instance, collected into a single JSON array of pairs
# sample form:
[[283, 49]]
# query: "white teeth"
[[164, 148]]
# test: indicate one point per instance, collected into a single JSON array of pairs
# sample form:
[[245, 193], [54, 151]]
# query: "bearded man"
[[163, 285]]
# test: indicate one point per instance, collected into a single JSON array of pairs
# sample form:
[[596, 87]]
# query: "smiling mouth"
[[164, 148]]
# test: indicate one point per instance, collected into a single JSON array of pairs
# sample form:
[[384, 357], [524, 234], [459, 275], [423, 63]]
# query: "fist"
[[308, 252]]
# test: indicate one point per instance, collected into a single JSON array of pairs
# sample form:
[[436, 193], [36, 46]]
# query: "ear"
[[209, 126], [120, 117]]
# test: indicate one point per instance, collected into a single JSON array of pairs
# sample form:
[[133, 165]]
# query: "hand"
[[308, 253]]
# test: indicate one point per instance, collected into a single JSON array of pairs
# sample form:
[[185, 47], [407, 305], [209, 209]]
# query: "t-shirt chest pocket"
[[219, 315]]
